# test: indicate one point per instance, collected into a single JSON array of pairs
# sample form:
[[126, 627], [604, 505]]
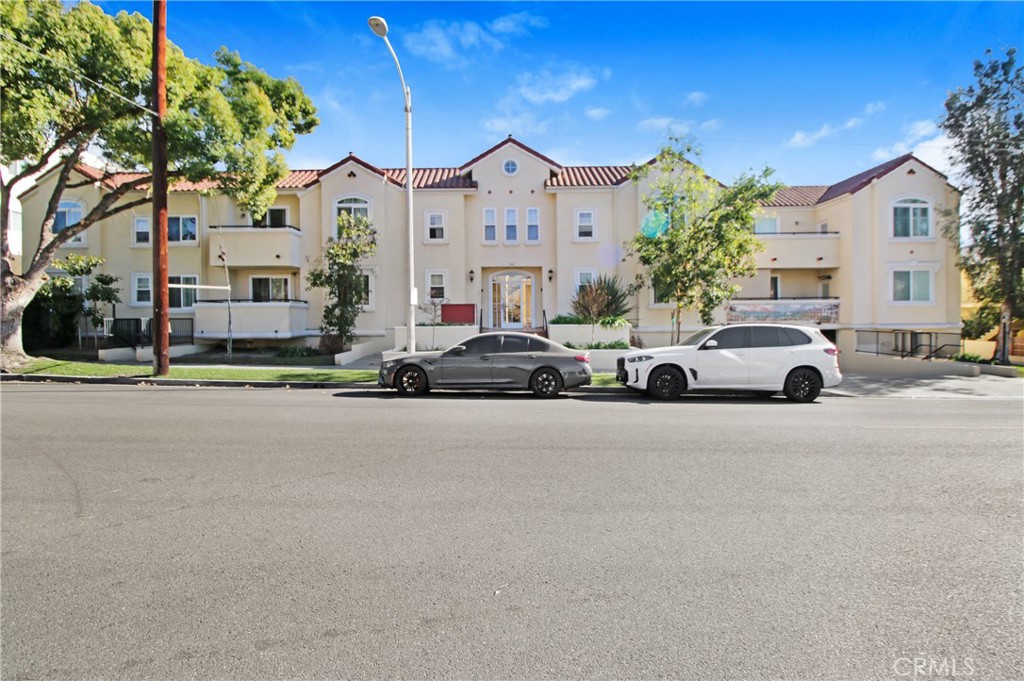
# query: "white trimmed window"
[[437, 284], [181, 298], [510, 167], [583, 278], [490, 226], [911, 219], [660, 295], [435, 226], [369, 302], [353, 206], [766, 225], [511, 225], [142, 288], [532, 225], [182, 228], [276, 216], [912, 286], [266, 289], [141, 230], [584, 224], [69, 213]]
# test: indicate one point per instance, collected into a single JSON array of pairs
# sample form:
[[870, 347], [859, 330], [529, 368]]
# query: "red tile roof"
[[514, 142], [854, 184], [797, 196], [432, 178], [589, 176]]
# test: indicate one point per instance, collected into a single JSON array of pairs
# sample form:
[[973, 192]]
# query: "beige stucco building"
[[509, 236]]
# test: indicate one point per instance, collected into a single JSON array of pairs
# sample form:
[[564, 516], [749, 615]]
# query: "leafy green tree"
[[73, 78], [699, 238], [984, 122], [337, 271], [604, 301], [54, 313]]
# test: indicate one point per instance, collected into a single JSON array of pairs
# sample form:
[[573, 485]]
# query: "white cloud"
[[809, 139], [547, 86], [442, 42], [519, 124], [518, 23], [596, 113], [711, 125], [874, 108], [924, 139], [665, 125], [695, 98], [802, 138]]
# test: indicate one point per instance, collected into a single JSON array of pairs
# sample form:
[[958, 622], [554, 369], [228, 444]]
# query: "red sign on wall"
[[458, 313]]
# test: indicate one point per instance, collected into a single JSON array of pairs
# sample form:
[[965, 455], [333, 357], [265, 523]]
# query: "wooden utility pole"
[[160, 329]]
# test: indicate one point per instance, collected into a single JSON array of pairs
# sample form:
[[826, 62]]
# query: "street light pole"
[[380, 28]]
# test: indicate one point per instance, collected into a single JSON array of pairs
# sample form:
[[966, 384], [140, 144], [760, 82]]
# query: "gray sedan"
[[490, 361]]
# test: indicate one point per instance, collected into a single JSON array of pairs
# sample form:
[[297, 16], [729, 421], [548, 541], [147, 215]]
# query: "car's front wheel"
[[802, 385], [666, 383], [411, 380], [546, 383]]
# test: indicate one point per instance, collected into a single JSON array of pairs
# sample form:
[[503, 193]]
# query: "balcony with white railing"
[[799, 250], [251, 319], [256, 246], [817, 311]]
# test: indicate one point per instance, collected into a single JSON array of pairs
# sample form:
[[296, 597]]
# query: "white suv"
[[763, 358]]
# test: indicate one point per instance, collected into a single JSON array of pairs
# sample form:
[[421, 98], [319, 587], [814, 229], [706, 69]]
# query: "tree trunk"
[[1005, 337], [17, 294]]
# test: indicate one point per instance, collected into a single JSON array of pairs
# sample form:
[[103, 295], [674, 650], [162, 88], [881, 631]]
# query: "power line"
[[76, 73]]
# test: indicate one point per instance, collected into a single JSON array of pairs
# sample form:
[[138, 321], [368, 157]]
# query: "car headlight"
[[639, 358], [388, 364]]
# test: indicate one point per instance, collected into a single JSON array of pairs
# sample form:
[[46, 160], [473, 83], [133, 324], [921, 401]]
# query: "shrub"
[[297, 351], [566, 319], [600, 345], [971, 357]]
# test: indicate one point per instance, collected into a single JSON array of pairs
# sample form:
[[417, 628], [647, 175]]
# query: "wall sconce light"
[[471, 275], [820, 258], [551, 275], [774, 259]]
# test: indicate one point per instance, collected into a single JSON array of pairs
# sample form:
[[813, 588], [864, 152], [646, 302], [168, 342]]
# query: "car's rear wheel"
[[802, 385], [546, 383], [411, 380], [666, 383]]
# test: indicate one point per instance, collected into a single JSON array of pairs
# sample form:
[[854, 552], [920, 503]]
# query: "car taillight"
[[583, 358], [834, 351]]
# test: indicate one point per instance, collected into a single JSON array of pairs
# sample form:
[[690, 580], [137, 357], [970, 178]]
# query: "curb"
[[213, 383]]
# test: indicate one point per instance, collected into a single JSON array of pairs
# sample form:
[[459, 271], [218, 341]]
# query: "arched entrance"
[[511, 299]]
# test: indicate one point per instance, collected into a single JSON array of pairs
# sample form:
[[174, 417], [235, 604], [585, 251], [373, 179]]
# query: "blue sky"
[[818, 91]]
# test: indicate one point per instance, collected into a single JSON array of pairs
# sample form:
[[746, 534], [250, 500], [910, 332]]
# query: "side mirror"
[[456, 350], [710, 345]]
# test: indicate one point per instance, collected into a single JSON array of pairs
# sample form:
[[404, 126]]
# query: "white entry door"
[[511, 300]]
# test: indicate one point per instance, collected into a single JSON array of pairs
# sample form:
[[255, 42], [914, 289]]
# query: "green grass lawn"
[[54, 367]]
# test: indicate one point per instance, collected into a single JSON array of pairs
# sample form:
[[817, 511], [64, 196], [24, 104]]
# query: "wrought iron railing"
[[919, 344], [137, 332], [292, 227]]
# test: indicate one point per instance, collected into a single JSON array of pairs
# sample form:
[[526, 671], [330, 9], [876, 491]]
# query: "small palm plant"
[[604, 301]]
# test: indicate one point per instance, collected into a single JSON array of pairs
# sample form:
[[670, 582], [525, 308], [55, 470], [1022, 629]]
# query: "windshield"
[[696, 338]]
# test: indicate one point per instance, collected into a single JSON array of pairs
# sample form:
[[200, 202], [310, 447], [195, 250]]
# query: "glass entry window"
[[511, 300]]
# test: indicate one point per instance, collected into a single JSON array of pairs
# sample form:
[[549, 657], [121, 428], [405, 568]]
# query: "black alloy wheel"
[[802, 385], [546, 383], [666, 383], [411, 380]]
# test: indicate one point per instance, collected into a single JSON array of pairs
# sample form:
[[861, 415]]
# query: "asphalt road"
[[153, 532]]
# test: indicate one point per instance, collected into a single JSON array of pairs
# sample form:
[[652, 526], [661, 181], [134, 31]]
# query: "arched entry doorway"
[[511, 296]]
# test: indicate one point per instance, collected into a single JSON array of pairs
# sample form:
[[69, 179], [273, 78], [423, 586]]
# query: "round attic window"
[[510, 167]]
